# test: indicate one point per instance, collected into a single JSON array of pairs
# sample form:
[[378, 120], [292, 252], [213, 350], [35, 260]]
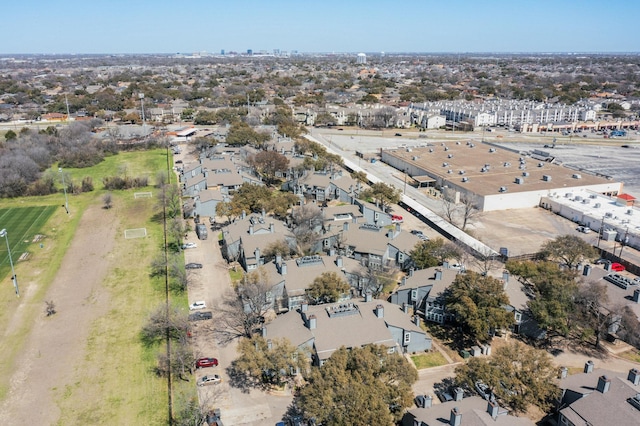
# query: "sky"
[[187, 26]]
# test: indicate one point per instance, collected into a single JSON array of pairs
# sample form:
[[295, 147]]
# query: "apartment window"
[[407, 338], [414, 294]]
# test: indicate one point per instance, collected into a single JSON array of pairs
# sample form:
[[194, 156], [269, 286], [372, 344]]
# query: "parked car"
[[417, 232], [396, 218], [193, 266], [200, 316], [617, 267], [209, 380], [444, 396], [206, 362], [200, 304], [584, 229], [189, 245], [483, 390]]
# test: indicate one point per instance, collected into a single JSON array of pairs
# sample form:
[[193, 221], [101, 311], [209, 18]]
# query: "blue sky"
[[163, 26]]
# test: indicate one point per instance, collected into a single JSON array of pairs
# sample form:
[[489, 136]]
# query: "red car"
[[206, 362], [617, 267]]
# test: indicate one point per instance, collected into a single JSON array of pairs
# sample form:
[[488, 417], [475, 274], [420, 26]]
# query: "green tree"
[[478, 302], [240, 133], [570, 249], [329, 287], [269, 163], [265, 363], [10, 135], [433, 252], [358, 387], [250, 198], [518, 375], [382, 194], [277, 248]]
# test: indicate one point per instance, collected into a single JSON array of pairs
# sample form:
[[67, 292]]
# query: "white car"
[[189, 245], [200, 304], [208, 380]]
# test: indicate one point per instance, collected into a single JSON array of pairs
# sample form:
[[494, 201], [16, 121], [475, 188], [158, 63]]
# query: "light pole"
[[64, 188], [144, 122], [14, 277]]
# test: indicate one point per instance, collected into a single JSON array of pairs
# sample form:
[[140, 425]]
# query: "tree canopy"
[[269, 163], [479, 304], [433, 252], [358, 386], [328, 287], [382, 194], [517, 374], [569, 249]]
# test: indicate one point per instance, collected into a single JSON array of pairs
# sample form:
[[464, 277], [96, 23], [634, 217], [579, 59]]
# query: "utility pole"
[[64, 188]]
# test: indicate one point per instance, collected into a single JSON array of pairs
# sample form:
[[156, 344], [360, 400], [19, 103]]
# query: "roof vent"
[[507, 164], [576, 176], [519, 180], [629, 211], [465, 179], [503, 189], [492, 150], [525, 174], [546, 178], [597, 205], [449, 171], [540, 164], [462, 172], [445, 164]]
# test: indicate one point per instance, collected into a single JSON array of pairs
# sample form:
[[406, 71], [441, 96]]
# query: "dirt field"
[[56, 344]]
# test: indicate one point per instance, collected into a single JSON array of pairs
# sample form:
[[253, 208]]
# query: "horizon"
[[461, 26]]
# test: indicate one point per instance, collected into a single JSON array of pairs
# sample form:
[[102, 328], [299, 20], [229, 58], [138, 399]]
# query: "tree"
[[277, 248], [170, 201], [517, 374], [265, 363], [328, 287], [478, 304], [269, 163], [50, 308], [592, 315], [107, 200], [241, 133], [250, 198], [241, 312], [10, 135], [306, 222], [165, 322], [374, 280], [554, 292], [469, 209], [431, 253], [570, 249], [629, 327], [358, 386], [383, 194]]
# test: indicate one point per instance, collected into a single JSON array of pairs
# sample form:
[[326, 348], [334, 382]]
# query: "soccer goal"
[[135, 233], [142, 194]]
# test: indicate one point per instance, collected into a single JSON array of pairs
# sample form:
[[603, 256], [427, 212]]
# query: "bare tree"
[[306, 222], [450, 210], [50, 307], [593, 315], [373, 280], [163, 322], [485, 259], [469, 209], [242, 311], [107, 200]]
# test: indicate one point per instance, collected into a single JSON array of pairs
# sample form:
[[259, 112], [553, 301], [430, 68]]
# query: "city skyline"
[[461, 26]]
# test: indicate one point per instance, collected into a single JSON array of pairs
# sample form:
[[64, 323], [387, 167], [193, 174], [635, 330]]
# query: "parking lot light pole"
[[64, 188], [14, 277]]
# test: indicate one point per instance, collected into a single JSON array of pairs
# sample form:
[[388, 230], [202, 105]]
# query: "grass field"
[[22, 224], [428, 360], [119, 388]]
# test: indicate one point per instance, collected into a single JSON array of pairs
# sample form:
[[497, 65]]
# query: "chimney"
[[505, 277], [405, 308], [492, 409], [345, 226], [379, 311], [424, 401], [586, 271], [634, 376], [283, 268], [438, 276], [607, 266], [263, 213], [603, 384], [332, 251], [272, 228], [410, 272], [269, 344], [264, 331], [304, 307], [588, 367], [278, 260], [456, 417], [251, 229], [416, 320], [311, 322], [390, 234], [257, 254], [445, 265], [458, 394], [404, 280], [339, 261], [244, 214], [636, 295], [563, 372]]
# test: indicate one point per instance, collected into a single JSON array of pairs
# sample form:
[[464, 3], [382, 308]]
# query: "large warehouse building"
[[495, 177]]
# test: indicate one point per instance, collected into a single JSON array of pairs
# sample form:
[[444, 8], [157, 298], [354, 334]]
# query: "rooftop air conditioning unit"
[[471, 145], [540, 164], [576, 176], [462, 172], [608, 214], [449, 155], [629, 211], [568, 195], [446, 148], [492, 150], [507, 164], [445, 164], [409, 150], [546, 178], [449, 171], [519, 180], [430, 149], [586, 201], [597, 205], [458, 143], [414, 158], [578, 198], [525, 174], [593, 196], [484, 169], [465, 179], [503, 189]]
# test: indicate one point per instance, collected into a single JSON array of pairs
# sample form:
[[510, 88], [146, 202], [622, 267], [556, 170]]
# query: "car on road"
[[193, 266], [200, 304], [206, 362], [189, 245], [398, 134], [200, 316], [209, 380]]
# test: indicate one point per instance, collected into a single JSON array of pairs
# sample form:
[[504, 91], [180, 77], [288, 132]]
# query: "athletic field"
[[23, 226]]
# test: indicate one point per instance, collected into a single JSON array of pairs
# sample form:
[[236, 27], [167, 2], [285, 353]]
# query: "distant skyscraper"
[[276, 52], [222, 52], [249, 52], [362, 58]]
